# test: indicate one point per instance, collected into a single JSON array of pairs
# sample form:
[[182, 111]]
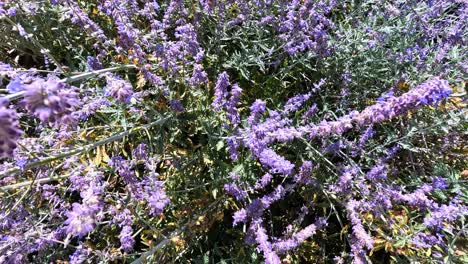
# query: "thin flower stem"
[[44, 71], [86, 148], [76, 78], [23, 196], [97, 72], [14, 96], [319, 154], [27, 183], [419, 131]]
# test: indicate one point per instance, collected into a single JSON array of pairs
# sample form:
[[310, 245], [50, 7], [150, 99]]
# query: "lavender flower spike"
[[275, 162], [118, 88], [80, 220], [9, 131], [51, 101], [126, 239], [221, 91]]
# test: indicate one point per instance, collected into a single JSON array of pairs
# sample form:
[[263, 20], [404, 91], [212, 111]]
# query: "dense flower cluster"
[[154, 195], [185, 131], [51, 101], [119, 89], [9, 130], [260, 135], [427, 93]]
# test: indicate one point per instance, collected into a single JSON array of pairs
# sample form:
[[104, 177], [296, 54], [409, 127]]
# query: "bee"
[[403, 85], [121, 58], [234, 9]]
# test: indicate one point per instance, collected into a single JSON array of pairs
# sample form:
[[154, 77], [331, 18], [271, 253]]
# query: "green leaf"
[[220, 145], [400, 244]]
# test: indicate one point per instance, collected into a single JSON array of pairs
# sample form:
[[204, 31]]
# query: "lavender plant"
[[233, 131]]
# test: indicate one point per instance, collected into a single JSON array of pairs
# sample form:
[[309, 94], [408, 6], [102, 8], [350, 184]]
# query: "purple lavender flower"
[[22, 32], [233, 147], [278, 193], [123, 167], [423, 240], [275, 162], [7, 70], [257, 137], [20, 80], [15, 86], [231, 105], [265, 246], [263, 182], [91, 108], [80, 220], [363, 239], [91, 196], [429, 92], [272, 258], [176, 105], [122, 217], [305, 173], [234, 190], [21, 163], [118, 88], [284, 245], [378, 172], [12, 11], [10, 131], [391, 152], [439, 183], [80, 182], [221, 92], [338, 260], [304, 26], [154, 194], [262, 239], [126, 239], [443, 213], [366, 135], [256, 111], [93, 63], [234, 176], [80, 255], [153, 78], [419, 198], [51, 101], [80, 18], [199, 76], [239, 216], [140, 152], [294, 103], [309, 113]]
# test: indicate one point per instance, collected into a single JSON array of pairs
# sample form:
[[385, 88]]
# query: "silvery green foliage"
[[232, 131]]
